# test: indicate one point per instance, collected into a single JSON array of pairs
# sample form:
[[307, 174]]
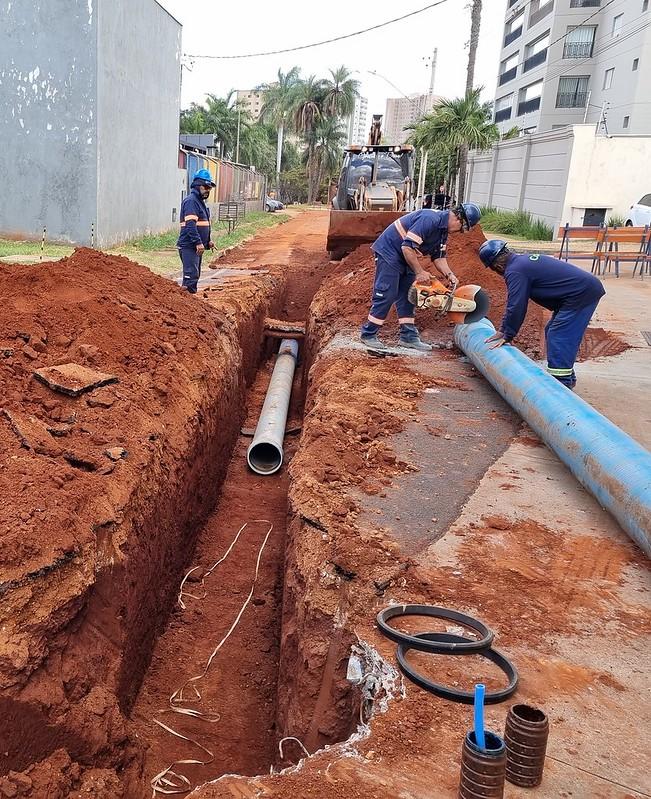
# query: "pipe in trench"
[[613, 467], [265, 453]]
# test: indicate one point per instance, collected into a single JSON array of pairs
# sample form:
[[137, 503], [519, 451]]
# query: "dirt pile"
[[100, 493], [346, 296]]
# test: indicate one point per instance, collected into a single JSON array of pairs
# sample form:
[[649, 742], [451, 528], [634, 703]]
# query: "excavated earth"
[[110, 498]]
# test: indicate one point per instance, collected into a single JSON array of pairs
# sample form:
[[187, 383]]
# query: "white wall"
[[606, 172]]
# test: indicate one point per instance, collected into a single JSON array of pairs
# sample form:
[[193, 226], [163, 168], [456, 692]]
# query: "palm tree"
[[475, 23], [308, 104], [340, 93], [457, 125], [329, 139], [277, 107]]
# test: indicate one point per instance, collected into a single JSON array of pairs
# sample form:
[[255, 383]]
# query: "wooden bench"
[[231, 213], [640, 256], [592, 234]]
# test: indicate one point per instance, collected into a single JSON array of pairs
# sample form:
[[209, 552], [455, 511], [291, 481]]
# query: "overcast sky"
[[400, 52]]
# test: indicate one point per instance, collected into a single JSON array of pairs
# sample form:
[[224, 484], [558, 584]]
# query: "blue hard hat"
[[470, 214], [489, 251], [203, 176]]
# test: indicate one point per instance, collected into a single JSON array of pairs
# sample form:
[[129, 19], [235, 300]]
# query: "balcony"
[[541, 13], [535, 60], [585, 3], [571, 99], [578, 49], [527, 106], [512, 3], [511, 37], [505, 77], [504, 113]]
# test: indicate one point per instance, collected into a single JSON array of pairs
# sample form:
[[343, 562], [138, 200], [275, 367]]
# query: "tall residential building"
[[250, 101], [402, 112], [357, 122], [571, 61]]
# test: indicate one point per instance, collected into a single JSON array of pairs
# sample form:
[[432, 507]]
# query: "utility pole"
[[237, 144]]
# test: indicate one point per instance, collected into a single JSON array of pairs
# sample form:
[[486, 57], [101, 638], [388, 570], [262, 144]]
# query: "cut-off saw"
[[463, 304]]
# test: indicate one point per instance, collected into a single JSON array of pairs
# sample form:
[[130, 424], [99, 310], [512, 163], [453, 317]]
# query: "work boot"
[[415, 344], [373, 342]]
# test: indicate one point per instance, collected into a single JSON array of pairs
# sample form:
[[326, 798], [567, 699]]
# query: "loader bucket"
[[350, 229]]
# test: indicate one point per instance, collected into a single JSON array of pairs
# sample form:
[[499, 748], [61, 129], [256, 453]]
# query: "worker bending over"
[[194, 238], [397, 267], [570, 293]]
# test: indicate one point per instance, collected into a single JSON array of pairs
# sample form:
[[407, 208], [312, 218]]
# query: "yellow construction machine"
[[376, 186]]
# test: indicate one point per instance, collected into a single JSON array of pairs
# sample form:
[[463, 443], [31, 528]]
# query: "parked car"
[[640, 213], [272, 205]]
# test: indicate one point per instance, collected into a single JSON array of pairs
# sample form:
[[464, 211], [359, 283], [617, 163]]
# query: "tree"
[[217, 116], [475, 23], [277, 107], [329, 140], [456, 126], [308, 103], [340, 93]]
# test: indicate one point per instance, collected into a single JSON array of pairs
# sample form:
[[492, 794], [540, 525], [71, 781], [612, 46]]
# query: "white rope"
[[290, 738], [168, 781]]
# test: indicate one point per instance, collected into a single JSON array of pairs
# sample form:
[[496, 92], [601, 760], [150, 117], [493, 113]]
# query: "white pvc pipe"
[[265, 453]]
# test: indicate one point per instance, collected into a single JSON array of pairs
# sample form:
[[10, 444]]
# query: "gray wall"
[[139, 88], [47, 118]]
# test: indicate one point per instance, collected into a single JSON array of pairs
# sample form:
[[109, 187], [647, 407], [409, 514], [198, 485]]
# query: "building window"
[[503, 107], [513, 28], [529, 98], [508, 69], [636, 63], [579, 42], [539, 10], [618, 21], [627, 119], [585, 3], [535, 53], [645, 6], [572, 91], [609, 74]]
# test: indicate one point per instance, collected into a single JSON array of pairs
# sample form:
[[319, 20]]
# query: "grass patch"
[[157, 252], [615, 220], [520, 224]]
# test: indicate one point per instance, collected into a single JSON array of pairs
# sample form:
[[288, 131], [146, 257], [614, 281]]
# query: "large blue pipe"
[[613, 467]]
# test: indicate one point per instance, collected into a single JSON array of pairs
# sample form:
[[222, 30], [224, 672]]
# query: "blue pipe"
[[613, 467], [480, 737]]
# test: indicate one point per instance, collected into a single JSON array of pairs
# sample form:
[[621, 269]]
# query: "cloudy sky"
[[401, 52]]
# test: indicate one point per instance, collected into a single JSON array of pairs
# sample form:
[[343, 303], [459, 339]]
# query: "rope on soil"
[[168, 781]]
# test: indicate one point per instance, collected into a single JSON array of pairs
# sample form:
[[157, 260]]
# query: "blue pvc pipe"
[[480, 736], [613, 467]]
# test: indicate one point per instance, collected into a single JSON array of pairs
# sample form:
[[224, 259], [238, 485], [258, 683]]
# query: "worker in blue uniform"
[[195, 238], [397, 266], [570, 293]]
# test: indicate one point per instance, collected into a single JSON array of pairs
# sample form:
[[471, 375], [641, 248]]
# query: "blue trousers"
[[563, 335], [191, 261], [392, 282]]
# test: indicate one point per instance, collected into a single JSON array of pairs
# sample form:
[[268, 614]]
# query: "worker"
[[397, 267], [195, 238], [570, 293]]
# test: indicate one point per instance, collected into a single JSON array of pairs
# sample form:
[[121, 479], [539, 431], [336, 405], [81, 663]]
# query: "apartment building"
[[357, 128], [402, 112], [250, 101], [566, 62]]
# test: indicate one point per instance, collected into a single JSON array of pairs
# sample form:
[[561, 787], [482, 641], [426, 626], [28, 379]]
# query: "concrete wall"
[[139, 86], [48, 118]]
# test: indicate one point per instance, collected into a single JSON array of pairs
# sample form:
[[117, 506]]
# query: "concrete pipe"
[[613, 467], [265, 454]]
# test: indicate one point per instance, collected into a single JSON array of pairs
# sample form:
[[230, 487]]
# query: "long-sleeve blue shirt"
[[548, 282], [195, 222], [425, 231]]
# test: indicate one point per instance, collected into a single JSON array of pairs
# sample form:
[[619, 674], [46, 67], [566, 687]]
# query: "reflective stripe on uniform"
[[375, 320], [414, 237], [406, 320], [203, 223], [191, 216], [400, 228], [560, 372]]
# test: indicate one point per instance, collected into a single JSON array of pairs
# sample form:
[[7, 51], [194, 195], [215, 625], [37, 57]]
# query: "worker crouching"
[[194, 237], [570, 293], [397, 266]]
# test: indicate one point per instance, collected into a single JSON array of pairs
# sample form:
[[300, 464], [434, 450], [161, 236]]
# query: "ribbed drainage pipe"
[[613, 467], [265, 453]]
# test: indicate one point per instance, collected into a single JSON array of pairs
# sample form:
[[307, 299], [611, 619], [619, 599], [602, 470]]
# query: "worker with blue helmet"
[[570, 293], [423, 232], [194, 237]]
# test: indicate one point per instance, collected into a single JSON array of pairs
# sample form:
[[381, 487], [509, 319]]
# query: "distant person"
[[397, 267], [194, 238], [570, 293], [427, 201]]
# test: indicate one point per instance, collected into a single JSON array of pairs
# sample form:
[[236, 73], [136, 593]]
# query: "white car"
[[640, 213]]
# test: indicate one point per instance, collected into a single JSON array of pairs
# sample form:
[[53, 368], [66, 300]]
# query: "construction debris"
[[73, 379]]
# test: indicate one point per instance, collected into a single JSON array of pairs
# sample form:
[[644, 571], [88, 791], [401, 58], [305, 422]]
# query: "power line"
[[327, 41]]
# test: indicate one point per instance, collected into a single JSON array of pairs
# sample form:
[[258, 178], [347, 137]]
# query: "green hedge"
[[520, 224]]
